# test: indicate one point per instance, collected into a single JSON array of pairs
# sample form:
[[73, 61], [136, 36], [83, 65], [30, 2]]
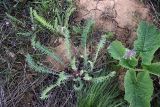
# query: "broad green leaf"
[[148, 41], [117, 50], [138, 88], [153, 68], [128, 63]]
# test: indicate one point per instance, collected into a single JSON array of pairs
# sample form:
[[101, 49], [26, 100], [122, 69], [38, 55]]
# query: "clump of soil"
[[119, 16]]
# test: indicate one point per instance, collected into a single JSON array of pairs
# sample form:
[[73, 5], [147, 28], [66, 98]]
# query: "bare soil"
[[119, 16]]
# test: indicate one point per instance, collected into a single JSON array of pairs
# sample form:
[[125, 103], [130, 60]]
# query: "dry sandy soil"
[[119, 16]]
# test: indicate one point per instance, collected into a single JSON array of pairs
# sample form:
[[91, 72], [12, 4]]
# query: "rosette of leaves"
[[78, 76], [138, 62]]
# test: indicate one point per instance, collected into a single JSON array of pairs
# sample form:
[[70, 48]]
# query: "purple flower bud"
[[129, 54]]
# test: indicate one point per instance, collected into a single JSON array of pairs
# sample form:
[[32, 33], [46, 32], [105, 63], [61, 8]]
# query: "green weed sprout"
[[138, 62], [77, 76]]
